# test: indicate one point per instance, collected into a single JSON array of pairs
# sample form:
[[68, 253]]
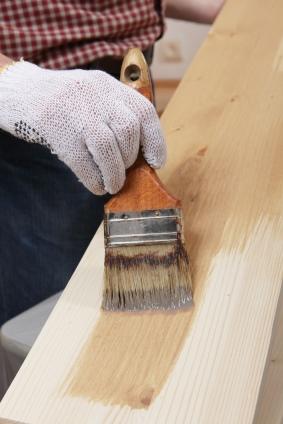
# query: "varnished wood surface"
[[224, 130]]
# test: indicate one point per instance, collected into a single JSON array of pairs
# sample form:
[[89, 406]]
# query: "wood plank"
[[224, 130], [164, 90]]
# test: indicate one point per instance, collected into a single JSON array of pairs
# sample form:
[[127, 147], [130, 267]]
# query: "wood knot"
[[146, 396], [202, 151]]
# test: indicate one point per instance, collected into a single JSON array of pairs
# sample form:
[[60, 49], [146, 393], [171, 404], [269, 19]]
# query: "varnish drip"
[[128, 357]]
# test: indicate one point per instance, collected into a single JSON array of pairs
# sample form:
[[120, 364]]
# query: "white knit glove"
[[94, 123]]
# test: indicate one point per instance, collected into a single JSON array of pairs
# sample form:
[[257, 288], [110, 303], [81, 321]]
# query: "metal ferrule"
[[145, 227]]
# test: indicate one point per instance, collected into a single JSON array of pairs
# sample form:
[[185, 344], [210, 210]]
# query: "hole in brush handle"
[[135, 73], [132, 73]]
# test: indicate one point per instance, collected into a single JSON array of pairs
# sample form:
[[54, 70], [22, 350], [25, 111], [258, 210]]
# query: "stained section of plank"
[[153, 340], [224, 130]]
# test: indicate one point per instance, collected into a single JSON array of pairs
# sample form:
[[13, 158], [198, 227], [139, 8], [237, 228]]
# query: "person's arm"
[[4, 60], [201, 11]]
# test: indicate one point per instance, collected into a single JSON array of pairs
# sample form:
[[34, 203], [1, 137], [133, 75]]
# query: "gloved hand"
[[94, 123]]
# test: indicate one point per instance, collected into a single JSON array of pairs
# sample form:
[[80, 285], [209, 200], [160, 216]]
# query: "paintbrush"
[[146, 262]]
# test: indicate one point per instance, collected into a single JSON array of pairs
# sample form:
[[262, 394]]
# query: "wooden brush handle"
[[143, 189], [135, 73]]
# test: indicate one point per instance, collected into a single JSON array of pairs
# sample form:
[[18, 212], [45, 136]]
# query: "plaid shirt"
[[61, 34]]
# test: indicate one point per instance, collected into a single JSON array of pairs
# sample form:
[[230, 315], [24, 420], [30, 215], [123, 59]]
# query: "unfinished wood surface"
[[224, 129], [270, 400]]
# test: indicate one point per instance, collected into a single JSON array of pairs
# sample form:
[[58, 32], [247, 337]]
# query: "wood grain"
[[270, 400], [224, 130], [137, 381]]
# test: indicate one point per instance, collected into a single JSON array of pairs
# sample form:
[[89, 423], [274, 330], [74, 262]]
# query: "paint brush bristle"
[[147, 277]]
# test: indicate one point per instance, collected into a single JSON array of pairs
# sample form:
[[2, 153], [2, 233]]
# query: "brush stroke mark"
[[128, 357]]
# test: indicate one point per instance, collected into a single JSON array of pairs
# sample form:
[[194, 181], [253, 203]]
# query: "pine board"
[[224, 128]]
